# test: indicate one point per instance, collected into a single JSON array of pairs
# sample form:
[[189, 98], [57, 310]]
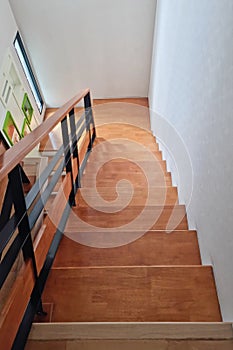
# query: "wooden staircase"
[[127, 255]]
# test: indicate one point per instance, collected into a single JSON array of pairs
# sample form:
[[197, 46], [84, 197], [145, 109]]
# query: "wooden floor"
[[127, 254]]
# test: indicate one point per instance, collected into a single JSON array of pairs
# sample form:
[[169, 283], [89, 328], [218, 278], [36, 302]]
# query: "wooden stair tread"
[[102, 171], [126, 148], [120, 152], [123, 129], [140, 179], [125, 169], [111, 130], [152, 248], [132, 156], [119, 163], [122, 147], [152, 217], [112, 135], [133, 294], [141, 101], [124, 196]]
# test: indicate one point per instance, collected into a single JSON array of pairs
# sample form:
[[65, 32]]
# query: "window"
[[19, 47]]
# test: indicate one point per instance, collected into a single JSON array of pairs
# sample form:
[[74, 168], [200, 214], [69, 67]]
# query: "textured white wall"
[[105, 45], [191, 97]]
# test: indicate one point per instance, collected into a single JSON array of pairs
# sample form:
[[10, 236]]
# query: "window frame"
[[27, 68]]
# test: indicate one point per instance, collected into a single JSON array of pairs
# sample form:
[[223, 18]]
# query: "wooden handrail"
[[16, 154]]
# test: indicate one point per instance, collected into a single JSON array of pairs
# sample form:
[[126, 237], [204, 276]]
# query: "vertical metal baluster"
[[68, 161], [88, 111], [74, 145], [6, 208]]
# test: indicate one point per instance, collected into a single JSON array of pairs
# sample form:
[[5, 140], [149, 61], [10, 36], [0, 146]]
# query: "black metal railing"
[[20, 212]]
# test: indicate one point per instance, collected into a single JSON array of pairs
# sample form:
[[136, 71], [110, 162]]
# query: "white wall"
[[191, 97], [105, 45], [8, 29]]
